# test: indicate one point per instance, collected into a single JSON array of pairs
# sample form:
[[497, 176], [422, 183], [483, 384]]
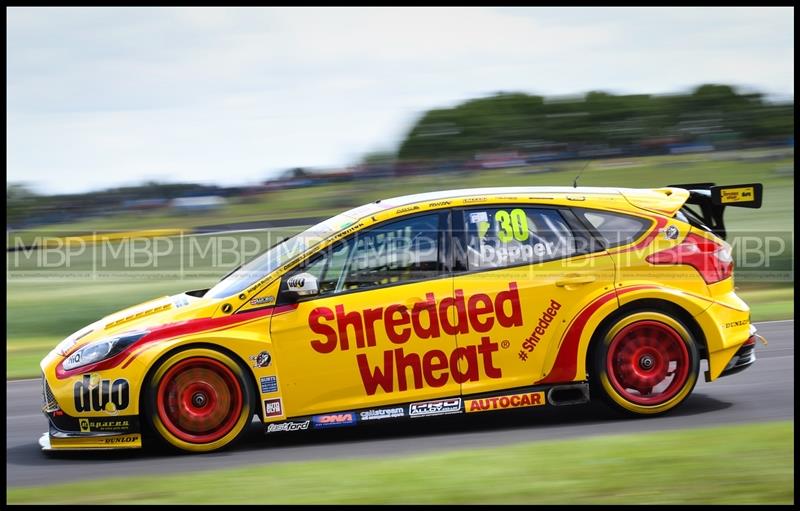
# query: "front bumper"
[[67, 432], [63, 442]]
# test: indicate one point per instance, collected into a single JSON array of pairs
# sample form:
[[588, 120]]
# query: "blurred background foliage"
[[714, 114], [501, 131]]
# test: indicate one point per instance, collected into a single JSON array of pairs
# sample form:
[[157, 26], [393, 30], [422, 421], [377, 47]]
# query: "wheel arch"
[[646, 304], [157, 361]]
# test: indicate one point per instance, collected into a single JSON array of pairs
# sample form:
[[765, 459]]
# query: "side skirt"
[[521, 397]]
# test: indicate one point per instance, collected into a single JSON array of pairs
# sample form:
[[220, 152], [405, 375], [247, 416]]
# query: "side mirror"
[[304, 284]]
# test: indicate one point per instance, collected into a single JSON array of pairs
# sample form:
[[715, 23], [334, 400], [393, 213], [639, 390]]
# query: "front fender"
[[125, 378], [245, 344]]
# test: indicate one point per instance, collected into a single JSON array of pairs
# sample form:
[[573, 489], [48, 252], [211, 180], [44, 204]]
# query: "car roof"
[[665, 201], [405, 200], [659, 200]]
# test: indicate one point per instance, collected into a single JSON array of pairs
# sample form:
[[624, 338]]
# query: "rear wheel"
[[646, 363], [199, 400]]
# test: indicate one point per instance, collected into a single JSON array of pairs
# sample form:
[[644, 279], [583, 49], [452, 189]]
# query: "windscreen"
[[287, 250]]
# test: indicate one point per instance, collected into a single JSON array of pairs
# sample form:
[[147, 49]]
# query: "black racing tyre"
[[198, 400], [645, 363]]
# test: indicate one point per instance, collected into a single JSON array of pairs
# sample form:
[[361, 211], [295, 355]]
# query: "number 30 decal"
[[511, 225]]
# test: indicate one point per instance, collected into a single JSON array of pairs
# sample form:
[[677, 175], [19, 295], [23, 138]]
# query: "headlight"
[[101, 350], [67, 344]]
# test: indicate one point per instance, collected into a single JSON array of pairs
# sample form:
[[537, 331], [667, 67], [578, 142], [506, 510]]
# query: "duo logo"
[[94, 394]]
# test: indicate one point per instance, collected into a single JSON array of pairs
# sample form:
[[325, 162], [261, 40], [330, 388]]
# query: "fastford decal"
[[288, 426]]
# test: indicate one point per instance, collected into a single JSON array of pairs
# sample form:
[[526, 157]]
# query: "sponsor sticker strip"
[[421, 409]]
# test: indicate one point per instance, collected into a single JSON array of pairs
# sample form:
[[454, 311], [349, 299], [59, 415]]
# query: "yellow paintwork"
[[313, 382]]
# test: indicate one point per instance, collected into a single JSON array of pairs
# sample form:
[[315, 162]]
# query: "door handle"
[[573, 279]]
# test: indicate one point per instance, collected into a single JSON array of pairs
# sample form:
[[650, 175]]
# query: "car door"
[[525, 271], [371, 336]]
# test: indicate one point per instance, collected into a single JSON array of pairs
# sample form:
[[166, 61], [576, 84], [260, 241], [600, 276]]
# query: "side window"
[[399, 251], [614, 228], [508, 236], [328, 267]]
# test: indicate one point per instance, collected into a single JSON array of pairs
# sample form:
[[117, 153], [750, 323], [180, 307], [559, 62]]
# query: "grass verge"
[[769, 303], [697, 466]]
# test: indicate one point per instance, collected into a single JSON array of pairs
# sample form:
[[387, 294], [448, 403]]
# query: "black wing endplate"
[[713, 199]]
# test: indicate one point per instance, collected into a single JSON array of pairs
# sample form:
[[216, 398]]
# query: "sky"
[[102, 97]]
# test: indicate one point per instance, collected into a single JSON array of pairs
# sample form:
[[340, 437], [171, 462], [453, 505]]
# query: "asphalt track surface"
[[764, 392]]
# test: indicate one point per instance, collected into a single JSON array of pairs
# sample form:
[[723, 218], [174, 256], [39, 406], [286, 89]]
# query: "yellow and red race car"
[[463, 301]]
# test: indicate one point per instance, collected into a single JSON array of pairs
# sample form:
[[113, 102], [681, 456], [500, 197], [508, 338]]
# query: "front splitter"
[[106, 442]]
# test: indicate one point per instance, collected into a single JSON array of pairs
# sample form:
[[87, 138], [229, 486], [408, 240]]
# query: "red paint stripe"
[[274, 310], [284, 308], [566, 365], [167, 331], [143, 346]]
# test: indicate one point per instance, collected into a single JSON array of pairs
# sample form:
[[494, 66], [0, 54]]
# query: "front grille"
[[50, 403]]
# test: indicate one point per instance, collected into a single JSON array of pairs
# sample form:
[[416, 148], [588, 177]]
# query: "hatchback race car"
[[463, 301]]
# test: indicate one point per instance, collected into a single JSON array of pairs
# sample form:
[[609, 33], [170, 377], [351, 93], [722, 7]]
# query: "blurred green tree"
[[514, 121]]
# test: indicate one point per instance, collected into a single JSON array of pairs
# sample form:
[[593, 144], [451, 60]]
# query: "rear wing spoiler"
[[713, 200]]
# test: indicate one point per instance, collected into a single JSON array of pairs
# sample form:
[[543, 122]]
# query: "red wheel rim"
[[647, 363], [199, 400]]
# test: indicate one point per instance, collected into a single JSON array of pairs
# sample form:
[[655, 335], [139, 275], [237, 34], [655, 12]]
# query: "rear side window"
[[509, 236], [615, 229]]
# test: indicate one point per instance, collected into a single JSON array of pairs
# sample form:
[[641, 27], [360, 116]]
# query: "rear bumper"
[[743, 358]]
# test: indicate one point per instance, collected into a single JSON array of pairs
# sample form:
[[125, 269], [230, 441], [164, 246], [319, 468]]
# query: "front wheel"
[[199, 400], [646, 363]]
